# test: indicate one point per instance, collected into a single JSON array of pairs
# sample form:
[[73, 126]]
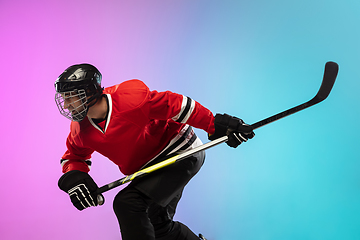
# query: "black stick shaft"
[[330, 74]]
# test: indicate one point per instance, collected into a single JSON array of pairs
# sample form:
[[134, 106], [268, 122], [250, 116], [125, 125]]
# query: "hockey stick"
[[330, 74]]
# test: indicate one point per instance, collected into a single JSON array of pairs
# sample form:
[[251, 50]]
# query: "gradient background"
[[298, 179]]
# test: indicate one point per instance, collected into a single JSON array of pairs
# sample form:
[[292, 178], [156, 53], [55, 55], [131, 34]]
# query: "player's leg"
[[164, 226], [162, 210], [130, 207], [163, 189]]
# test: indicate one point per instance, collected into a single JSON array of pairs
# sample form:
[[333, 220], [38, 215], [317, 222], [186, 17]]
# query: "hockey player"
[[135, 128]]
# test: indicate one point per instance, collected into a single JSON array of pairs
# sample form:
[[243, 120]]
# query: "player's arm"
[[76, 181], [183, 109], [180, 108]]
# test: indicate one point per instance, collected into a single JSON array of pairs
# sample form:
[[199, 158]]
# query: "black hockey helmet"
[[82, 82], [80, 76]]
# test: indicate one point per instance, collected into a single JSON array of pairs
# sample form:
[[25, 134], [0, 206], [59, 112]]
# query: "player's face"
[[72, 102]]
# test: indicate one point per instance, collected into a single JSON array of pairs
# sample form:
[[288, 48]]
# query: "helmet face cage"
[[72, 104]]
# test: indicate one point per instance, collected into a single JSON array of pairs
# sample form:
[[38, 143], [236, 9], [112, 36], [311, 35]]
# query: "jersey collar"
[[107, 120]]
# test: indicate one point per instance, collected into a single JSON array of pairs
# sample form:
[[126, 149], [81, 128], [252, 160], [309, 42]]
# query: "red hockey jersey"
[[139, 125]]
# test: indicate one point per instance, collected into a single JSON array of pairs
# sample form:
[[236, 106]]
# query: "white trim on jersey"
[[187, 107], [63, 161], [108, 117], [195, 144], [177, 137], [87, 161], [179, 147], [110, 111]]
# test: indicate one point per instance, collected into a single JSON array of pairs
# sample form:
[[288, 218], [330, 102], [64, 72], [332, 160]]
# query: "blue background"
[[297, 179]]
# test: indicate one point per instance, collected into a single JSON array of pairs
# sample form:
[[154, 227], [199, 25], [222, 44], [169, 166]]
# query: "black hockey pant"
[[146, 207]]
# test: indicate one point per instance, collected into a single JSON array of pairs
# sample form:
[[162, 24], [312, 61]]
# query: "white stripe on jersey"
[[108, 116], [187, 107], [87, 161]]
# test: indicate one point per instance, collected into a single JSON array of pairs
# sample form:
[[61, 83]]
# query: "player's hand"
[[81, 188], [235, 128]]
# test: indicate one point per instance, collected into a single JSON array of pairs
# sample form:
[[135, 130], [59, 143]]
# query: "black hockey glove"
[[235, 128], [81, 189]]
